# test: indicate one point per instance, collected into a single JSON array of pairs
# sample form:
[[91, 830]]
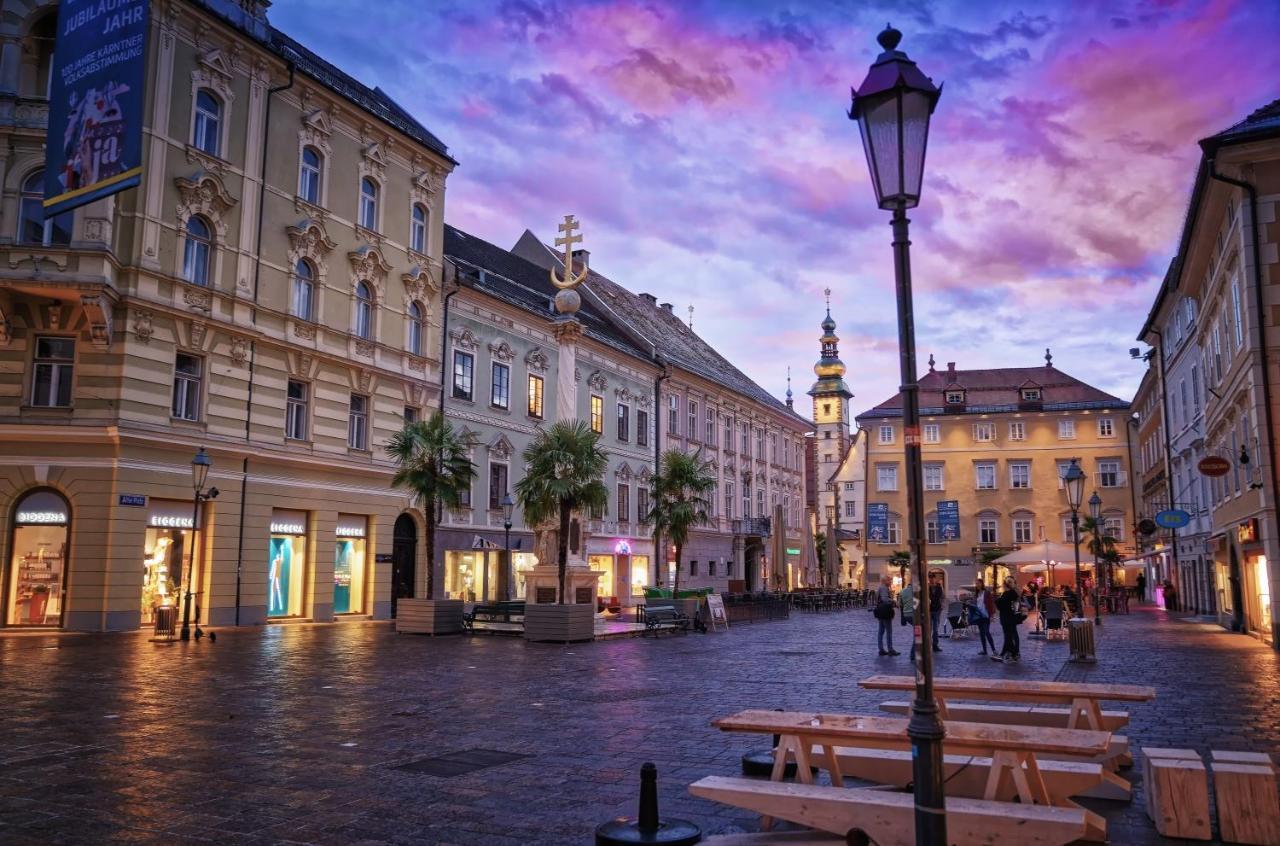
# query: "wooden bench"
[[888, 819], [777, 838], [1020, 715], [659, 618], [492, 612], [1248, 805], [1178, 797]]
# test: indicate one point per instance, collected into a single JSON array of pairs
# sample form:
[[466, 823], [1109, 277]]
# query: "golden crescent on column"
[[567, 241]]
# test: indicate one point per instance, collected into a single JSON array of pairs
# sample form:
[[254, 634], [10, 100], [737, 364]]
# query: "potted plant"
[[565, 468], [433, 465], [681, 500]]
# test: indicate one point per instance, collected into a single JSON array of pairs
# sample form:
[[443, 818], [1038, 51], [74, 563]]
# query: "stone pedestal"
[[541, 584]]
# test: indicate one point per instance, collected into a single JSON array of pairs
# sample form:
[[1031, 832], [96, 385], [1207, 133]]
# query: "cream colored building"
[[997, 442], [271, 292]]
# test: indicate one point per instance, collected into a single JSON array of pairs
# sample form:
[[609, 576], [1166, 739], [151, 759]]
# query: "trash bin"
[[166, 623], [1080, 636]]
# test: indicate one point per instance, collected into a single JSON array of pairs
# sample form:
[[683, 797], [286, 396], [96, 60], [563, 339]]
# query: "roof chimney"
[[951, 370], [583, 256], [650, 299], [666, 307]]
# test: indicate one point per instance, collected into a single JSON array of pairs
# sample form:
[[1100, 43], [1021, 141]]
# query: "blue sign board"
[[1174, 518], [96, 102], [949, 519], [878, 522], [133, 499]]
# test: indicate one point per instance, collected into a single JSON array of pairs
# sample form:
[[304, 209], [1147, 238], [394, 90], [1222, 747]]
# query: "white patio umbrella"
[[1060, 555]]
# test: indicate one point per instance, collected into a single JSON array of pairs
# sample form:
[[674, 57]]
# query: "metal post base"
[[626, 830]]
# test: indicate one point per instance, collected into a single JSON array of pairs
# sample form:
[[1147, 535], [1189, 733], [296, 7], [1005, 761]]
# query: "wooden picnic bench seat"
[[776, 838], [493, 612], [1021, 715], [888, 819], [659, 618]]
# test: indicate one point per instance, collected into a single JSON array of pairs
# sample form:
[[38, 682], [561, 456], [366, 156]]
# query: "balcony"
[[752, 526]]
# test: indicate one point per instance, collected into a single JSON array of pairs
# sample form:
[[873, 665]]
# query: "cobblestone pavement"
[[302, 734]]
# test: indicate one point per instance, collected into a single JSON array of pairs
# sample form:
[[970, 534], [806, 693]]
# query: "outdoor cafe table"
[[1012, 749], [1081, 699]]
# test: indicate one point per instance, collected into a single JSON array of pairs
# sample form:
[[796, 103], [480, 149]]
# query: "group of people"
[[1006, 606]]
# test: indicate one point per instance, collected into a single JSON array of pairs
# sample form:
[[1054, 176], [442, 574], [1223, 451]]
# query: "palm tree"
[[433, 464], [565, 465], [1100, 544], [682, 492]]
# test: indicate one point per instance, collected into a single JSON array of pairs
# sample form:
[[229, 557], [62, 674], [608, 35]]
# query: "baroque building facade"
[[270, 292]]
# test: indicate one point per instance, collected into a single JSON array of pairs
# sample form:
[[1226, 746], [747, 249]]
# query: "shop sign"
[[1174, 518], [382, 558], [1214, 465], [170, 514], [1247, 531], [478, 542], [622, 547], [41, 508], [135, 500], [791, 551], [288, 522], [42, 517], [352, 525]]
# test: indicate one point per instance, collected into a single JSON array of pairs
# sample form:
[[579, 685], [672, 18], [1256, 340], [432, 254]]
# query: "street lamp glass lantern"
[[507, 505], [1073, 481], [200, 469], [1095, 507], [892, 107]]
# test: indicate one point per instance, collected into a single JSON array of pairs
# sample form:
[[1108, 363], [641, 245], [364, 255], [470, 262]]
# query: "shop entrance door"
[[404, 558], [1237, 594]]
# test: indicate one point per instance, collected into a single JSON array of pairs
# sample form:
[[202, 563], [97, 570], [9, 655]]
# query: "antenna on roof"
[[690, 317]]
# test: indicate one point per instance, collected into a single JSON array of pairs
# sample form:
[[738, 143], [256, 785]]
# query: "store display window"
[[286, 563], [36, 584], [165, 556], [349, 572], [523, 563], [605, 565], [472, 576], [639, 574]]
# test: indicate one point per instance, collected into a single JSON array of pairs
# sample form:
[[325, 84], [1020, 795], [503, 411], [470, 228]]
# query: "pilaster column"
[[567, 333]]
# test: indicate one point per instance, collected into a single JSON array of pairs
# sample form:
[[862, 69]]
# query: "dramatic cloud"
[[705, 146]]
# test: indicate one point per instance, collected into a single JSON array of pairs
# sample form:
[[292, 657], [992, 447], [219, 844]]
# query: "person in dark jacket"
[[984, 608], [935, 608], [1008, 605]]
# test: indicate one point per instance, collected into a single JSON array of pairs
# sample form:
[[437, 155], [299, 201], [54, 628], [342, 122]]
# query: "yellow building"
[[270, 292], [996, 442]]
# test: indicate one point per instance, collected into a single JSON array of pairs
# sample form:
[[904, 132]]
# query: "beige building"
[[997, 443], [270, 293]]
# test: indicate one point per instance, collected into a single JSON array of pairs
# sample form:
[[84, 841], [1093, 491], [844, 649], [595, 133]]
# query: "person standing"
[[910, 612], [935, 609], [984, 608], [884, 616], [1142, 587], [1007, 605]]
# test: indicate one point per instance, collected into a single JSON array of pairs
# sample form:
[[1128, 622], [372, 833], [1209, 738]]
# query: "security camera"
[[1134, 352], [213, 493]]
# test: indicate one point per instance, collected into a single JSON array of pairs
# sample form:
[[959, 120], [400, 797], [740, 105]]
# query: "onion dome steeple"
[[829, 368]]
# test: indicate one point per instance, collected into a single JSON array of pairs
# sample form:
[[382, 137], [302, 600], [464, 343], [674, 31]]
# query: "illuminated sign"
[[622, 548], [1247, 531], [792, 551], [288, 529], [42, 517], [170, 521], [350, 531]]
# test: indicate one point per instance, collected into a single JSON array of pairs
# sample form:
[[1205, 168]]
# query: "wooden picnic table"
[[1081, 699], [1012, 749]]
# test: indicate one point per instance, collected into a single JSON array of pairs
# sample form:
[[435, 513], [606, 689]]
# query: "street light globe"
[[1073, 481], [507, 505], [892, 107], [1095, 507], [200, 469]]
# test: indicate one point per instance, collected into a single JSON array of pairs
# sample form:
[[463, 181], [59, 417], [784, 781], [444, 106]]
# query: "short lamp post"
[[200, 466], [1073, 481], [1095, 511], [508, 504], [893, 107]]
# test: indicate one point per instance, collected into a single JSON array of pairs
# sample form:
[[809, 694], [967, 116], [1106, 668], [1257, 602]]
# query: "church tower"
[[830, 400]]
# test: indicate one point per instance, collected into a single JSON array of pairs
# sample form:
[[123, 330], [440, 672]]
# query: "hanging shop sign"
[[1173, 518], [170, 514], [352, 525], [1147, 526], [1214, 465], [622, 547], [949, 519], [1247, 530], [288, 522], [878, 522], [96, 97]]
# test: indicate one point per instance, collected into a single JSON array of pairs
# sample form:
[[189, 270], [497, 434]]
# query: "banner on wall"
[[96, 98], [949, 519], [878, 522]]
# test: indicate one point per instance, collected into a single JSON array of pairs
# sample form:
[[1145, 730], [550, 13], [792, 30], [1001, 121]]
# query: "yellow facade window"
[[597, 414], [535, 396]]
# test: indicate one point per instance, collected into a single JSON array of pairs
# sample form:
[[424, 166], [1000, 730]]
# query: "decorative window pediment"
[[308, 239], [465, 339], [623, 471], [501, 448], [419, 284], [536, 360], [214, 70], [373, 160], [502, 351], [319, 122], [598, 381], [645, 474], [367, 264], [204, 194]]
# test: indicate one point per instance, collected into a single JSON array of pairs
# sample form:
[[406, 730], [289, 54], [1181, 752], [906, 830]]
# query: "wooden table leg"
[[804, 771], [999, 763], [1035, 779], [833, 765]]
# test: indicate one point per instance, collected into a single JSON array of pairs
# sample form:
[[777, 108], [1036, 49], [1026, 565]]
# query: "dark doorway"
[[1237, 594], [404, 558]]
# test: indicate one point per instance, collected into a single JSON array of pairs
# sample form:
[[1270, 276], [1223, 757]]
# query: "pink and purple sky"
[[705, 148]]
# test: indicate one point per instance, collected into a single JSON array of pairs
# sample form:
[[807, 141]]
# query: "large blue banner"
[[949, 519], [95, 102], [878, 522]]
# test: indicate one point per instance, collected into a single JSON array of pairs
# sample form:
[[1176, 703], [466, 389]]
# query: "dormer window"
[[955, 397], [1031, 395]]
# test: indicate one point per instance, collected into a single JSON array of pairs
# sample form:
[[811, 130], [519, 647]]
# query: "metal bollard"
[[647, 827]]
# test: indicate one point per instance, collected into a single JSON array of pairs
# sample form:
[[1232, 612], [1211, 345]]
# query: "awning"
[[1039, 553]]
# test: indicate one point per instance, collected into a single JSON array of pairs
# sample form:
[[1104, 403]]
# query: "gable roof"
[[998, 390], [493, 271], [669, 335]]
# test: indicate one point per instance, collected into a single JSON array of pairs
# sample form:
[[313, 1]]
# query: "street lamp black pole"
[[892, 107], [507, 504], [1095, 511], [1073, 481], [199, 474]]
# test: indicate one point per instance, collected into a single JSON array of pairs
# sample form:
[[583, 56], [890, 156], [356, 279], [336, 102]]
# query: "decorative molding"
[[364, 349], [305, 363], [419, 284], [367, 264], [16, 259], [215, 70], [364, 381], [567, 331], [624, 394], [413, 393], [303, 330], [142, 329], [465, 340], [502, 351], [204, 194], [501, 448], [97, 309], [577, 374], [511, 425], [205, 162], [197, 334], [598, 381], [197, 298], [239, 350], [536, 360], [416, 364], [623, 471], [98, 230]]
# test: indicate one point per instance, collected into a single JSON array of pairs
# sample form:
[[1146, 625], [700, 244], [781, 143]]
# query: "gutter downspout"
[[1259, 305], [1168, 453], [1130, 422], [445, 367], [253, 317], [664, 373]]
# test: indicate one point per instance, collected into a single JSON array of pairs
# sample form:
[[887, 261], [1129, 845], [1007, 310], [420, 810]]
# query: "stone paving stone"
[[293, 734]]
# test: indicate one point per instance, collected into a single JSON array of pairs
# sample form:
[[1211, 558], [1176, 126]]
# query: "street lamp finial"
[[889, 37]]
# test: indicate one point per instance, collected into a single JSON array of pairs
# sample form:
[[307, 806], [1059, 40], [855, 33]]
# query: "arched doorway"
[[404, 558], [36, 580]]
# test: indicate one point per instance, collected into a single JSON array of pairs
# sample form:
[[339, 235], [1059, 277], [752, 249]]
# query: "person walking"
[[935, 609], [884, 616], [984, 608], [1008, 605], [1142, 587]]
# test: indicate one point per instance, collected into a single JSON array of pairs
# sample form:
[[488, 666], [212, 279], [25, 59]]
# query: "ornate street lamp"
[[199, 475], [507, 505], [892, 107], [1095, 511], [1073, 481]]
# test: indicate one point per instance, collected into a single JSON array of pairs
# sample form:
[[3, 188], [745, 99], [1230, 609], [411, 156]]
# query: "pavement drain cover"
[[460, 763]]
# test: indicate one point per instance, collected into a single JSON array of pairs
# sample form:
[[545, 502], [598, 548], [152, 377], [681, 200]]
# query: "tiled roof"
[[998, 390], [675, 341], [525, 285], [1260, 122], [375, 101]]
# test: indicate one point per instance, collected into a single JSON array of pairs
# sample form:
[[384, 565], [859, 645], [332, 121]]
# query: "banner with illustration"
[[878, 522], [96, 97], [949, 519]]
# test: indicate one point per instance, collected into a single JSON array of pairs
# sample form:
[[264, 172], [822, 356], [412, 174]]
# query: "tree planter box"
[[559, 623], [429, 616]]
